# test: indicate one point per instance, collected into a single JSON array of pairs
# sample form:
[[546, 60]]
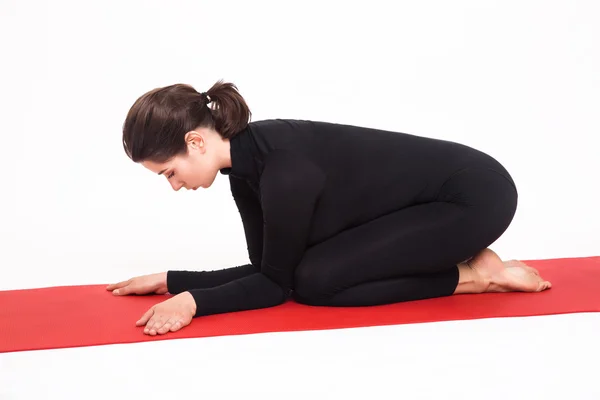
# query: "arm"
[[180, 281], [251, 213], [290, 188], [252, 219]]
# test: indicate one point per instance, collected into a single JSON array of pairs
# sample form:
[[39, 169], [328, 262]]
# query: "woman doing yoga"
[[333, 215]]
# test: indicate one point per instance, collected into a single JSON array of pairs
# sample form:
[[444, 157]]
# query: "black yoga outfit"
[[340, 215]]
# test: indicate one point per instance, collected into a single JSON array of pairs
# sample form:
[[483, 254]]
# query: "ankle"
[[470, 281]]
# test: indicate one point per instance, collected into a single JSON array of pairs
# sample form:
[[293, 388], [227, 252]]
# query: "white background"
[[517, 79]]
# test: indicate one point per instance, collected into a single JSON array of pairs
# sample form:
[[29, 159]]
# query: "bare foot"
[[517, 263], [506, 276]]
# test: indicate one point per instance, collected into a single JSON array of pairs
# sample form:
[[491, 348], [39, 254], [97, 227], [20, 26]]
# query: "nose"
[[176, 186]]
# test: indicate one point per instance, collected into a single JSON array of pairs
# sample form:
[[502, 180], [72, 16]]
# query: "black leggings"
[[413, 253]]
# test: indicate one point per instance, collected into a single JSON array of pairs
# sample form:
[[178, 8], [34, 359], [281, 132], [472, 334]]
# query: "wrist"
[[162, 286], [191, 302]]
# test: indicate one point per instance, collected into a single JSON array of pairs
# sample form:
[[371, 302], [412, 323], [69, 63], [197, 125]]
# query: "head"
[[179, 133]]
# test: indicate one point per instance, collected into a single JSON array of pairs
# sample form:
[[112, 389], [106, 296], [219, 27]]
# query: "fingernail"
[[116, 291]]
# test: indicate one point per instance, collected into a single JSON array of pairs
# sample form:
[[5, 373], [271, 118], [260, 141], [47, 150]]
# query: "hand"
[[154, 283], [170, 315]]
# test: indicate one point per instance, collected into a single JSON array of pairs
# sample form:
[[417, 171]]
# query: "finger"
[[543, 286], [145, 317], [167, 325], [118, 285], [130, 288], [154, 324], [149, 325], [177, 325], [159, 324], [122, 291]]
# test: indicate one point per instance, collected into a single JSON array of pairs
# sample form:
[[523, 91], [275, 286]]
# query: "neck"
[[225, 154]]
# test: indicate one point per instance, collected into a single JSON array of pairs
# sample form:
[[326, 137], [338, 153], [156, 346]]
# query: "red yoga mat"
[[75, 316]]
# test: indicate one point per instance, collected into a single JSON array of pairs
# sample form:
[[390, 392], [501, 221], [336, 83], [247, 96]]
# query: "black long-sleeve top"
[[297, 183]]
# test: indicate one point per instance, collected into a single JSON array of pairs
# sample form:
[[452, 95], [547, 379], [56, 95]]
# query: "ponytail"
[[157, 122], [229, 111]]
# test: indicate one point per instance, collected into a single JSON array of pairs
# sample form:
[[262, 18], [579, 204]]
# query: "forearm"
[[180, 281], [247, 293]]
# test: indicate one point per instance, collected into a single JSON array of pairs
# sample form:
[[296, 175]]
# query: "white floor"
[[518, 358]]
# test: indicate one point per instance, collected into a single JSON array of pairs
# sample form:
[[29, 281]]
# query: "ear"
[[195, 140]]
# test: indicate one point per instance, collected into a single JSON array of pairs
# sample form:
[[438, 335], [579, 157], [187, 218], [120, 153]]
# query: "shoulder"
[[282, 124], [239, 187], [290, 160], [289, 167]]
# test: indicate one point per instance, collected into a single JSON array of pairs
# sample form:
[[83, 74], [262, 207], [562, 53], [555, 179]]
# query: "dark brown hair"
[[157, 122]]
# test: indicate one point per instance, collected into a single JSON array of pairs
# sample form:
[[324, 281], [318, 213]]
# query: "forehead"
[[158, 168]]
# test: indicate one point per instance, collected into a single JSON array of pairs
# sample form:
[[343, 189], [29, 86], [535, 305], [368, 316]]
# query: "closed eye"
[[170, 175]]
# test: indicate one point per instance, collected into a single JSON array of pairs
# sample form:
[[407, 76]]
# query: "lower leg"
[[484, 273], [378, 292], [414, 253]]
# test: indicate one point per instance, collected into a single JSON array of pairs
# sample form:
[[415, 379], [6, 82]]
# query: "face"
[[198, 168]]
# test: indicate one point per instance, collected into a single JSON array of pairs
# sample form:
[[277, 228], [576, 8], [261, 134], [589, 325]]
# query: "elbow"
[[283, 295], [286, 294], [279, 293], [273, 298]]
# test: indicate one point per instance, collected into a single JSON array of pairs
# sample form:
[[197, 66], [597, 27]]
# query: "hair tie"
[[206, 97]]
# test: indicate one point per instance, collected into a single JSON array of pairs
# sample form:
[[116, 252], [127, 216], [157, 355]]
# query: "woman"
[[333, 215]]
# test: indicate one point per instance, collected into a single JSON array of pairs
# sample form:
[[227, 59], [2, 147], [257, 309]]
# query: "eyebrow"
[[161, 172]]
